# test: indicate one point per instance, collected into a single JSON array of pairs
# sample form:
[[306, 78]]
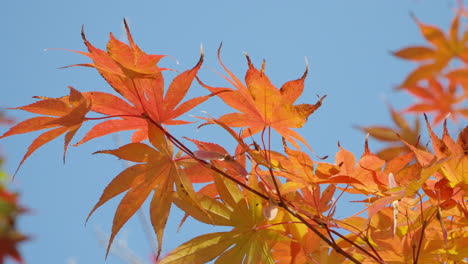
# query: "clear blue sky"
[[346, 42]]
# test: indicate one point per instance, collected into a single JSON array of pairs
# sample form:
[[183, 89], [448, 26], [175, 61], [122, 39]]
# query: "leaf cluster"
[[280, 204]]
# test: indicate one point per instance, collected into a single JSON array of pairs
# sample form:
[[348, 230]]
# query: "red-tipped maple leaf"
[[262, 105], [65, 114], [135, 75], [122, 64]]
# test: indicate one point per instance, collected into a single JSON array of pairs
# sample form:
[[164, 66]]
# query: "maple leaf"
[[447, 161], [312, 202], [64, 115], [459, 76], [135, 75], [10, 237], [452, 154], [365, 174], [261, 104], [437, 98], [249, 241], [437, 56], [157, 171], [129, 117], [400, 246], [298, 168], [393, 136], [9, 247], [306, 248], [123, 63]]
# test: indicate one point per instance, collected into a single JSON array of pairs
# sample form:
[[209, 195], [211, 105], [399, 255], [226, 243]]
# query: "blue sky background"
[[348, 44]]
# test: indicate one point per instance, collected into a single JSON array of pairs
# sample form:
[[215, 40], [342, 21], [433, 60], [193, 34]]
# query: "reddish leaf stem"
[[106, 117]]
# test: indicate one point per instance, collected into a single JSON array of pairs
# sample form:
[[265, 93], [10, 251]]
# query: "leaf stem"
[[106, 117]]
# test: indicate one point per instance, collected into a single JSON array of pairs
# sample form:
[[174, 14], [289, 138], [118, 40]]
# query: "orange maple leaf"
[[437, 98], [304, 247], [435, 57], [65, 114], [129, 117], [135, 75], [459, 76], [157, 171], [262, 105], [393, 136], [365, 174]]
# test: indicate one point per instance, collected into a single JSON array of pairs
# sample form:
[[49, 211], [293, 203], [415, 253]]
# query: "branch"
[[283, 205], [313, 229]]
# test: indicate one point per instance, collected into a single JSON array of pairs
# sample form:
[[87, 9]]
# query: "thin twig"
[[423, 227]]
